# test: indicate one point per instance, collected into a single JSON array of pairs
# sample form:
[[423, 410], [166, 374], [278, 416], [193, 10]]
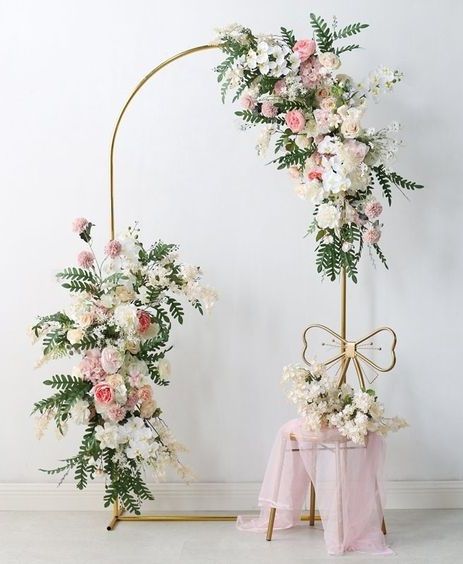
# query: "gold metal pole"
[[121, 115], [343, 319]]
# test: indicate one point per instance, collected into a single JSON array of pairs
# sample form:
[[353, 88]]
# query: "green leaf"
[[383, 180], [381, 256], [254, 117], [176, 309], [78, 286], [288, 37], [349, 30], [322, 33], [346, 48], [402, 182], [81, 274], [66, 381]]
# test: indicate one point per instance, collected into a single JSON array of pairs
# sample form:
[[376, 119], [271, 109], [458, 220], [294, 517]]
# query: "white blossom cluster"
[[322, 404]]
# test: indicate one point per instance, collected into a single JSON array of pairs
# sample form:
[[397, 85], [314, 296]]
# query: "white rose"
[[74, 336], [328, 216], [329, 60], [328, 104], [350, 128], [302, 141]]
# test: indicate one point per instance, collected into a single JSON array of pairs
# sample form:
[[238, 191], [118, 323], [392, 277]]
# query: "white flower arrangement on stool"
[[323, 404], [119, 323]]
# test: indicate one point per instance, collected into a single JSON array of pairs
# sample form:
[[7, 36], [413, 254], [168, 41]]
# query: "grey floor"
[[417, 537]]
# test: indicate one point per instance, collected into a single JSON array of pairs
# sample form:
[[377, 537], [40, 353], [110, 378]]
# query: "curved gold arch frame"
[[117, 511]]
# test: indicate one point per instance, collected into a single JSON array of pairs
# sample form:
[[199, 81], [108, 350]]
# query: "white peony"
[[329, 60], [335, 182], [328, 216], [125, 315], [74, 336]]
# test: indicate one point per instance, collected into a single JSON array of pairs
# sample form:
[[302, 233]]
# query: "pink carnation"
[[132, 400], [305, 48], [315, 173], [247, 102], [85, 259], [373, 209], [90, 366], [280, 87], [103, 393], [79, 224], [371, 236], [295, 120], [269, 110], [116, 413], [144, 320], [310, 72], [145, 393], [113, 248]]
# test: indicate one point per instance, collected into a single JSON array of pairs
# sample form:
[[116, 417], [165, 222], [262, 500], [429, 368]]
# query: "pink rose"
[[79, 224], [90, 366], [145, 393], [280, 87], [103, 393], [371, 236], [373, 209], [144, 320], [113, 249], [85, 259], [295, 120], [356, 149], [305, 48], [315, 173], [247, 102], [116, 413], [268, 110], [111, 360]]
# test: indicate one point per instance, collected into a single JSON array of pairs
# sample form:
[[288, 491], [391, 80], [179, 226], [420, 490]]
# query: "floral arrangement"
[[118, 323], [314, 115], [324, 404]]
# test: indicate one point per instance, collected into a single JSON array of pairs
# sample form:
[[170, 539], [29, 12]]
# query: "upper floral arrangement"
[[118, 326], [313, 114]]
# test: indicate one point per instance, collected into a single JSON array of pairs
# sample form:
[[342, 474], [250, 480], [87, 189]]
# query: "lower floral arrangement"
[[118, 324]]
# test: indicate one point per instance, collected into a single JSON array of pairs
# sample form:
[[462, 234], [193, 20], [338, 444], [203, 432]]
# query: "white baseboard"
[[210, 496]]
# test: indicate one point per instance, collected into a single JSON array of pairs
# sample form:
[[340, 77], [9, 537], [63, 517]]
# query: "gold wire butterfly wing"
[[367, 356]]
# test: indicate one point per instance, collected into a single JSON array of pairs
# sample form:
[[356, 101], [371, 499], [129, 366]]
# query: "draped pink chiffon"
[[347, 480]]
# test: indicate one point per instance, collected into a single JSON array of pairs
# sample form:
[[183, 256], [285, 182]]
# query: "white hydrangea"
[[328, 216]]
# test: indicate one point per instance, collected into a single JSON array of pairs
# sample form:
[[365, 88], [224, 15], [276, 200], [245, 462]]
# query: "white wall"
[[187, 173]]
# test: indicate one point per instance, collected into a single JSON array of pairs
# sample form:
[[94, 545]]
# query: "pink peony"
[[116, 413], [280, 87], [90, 366], [305, 48], [144, 320], [373, 209], [103, 393], [295, 120], [315, 173], [268, 110], [85, 259], [113, 249], [79, 224], [371, 236], [111, 360], [145, 393], [247, 102]]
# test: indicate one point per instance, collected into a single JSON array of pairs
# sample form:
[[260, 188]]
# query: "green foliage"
[[253, 117], [383, 181], [81, 274], [176, 309], [381, 256], [349, 30], [294, 157], [54, 340], [402, 182], [79, 286], [346, 48], [64, 381], [288, 36], [322, 32]]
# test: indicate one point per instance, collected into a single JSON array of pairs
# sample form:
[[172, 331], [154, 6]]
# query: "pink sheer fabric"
[[347, 480]]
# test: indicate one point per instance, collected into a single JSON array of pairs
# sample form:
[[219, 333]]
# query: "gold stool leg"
[[312, 505], [271, 522]]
